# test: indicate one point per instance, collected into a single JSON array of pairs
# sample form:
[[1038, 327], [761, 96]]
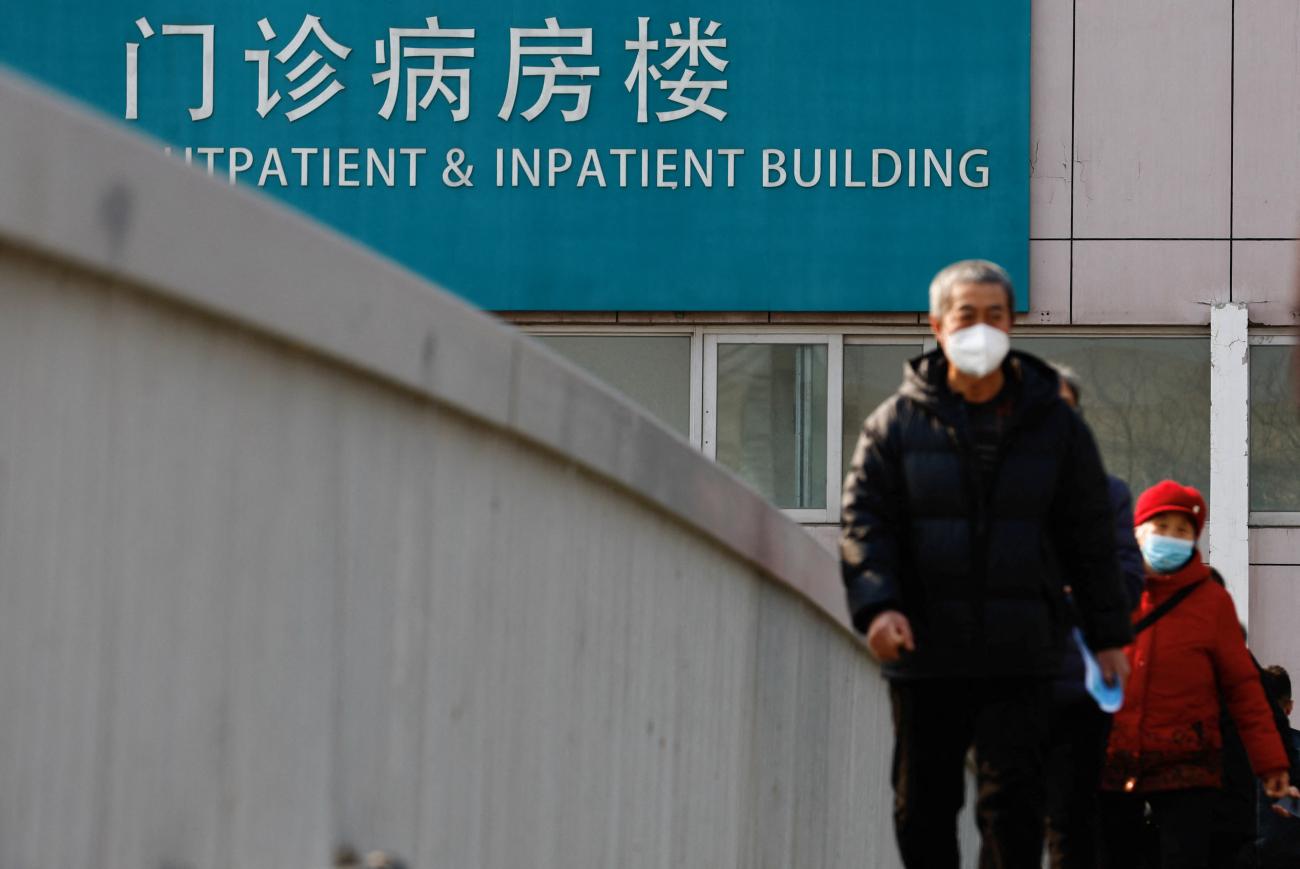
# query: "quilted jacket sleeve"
[[1240, 687], [870, 521]]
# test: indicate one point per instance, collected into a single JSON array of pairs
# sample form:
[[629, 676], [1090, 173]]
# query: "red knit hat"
[[1170, 497]]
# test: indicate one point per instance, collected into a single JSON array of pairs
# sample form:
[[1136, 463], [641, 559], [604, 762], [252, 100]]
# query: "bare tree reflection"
[[1274, 432], [1147, 401]]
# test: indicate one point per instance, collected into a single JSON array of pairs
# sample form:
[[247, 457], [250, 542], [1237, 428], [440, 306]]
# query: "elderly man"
[[976, 495]]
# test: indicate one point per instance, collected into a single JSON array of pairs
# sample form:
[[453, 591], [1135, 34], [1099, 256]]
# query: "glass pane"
[[872, 373], [1274, 432], [653, 371], [771, 419], [1147, 401]]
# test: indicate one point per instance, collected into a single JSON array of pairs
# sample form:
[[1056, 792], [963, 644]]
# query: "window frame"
[[834, 407]]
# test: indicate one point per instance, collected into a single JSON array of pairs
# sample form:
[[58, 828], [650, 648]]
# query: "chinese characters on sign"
[[438, 58], [265, 101]]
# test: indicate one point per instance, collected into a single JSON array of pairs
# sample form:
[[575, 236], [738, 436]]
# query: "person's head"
[[1071, 388], [1167, 519], [1277, 684], [972, 305]]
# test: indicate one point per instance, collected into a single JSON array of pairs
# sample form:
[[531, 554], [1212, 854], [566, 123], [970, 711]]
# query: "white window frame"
[[834, 343]]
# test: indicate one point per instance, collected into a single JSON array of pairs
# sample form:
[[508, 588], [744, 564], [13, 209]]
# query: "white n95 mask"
[[977, 350]]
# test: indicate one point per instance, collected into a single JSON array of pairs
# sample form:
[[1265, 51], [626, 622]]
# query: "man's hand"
[[889, 635], [1114, 666], [1278, 785]]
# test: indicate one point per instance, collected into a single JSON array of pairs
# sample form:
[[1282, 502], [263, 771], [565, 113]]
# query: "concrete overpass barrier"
[[298, 550]]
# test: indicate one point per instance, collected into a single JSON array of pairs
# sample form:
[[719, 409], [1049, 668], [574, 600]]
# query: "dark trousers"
[[1074, 760], [935, 722], [1182, 821]]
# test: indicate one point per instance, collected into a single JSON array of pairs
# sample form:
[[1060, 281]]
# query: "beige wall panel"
[[1266, 120], [1275, 546], [1049, 284], [1138, 282], [1152, 131], [1274, 602], [1050, 108], [1264, 275]]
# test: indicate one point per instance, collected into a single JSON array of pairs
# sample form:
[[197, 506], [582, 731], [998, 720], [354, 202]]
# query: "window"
[[652, 370], [872, 373], [1147, 401], [784, 410], [1274, 431], [767, 417]]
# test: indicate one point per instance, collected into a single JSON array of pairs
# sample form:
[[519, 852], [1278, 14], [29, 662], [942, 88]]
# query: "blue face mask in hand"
[[1109, 697], [1166, 554]]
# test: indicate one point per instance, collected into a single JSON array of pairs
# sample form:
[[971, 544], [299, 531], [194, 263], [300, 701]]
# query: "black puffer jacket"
[[979, 574]]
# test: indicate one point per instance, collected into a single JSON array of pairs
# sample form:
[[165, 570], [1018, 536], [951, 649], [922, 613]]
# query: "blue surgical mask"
[[1166, 554]]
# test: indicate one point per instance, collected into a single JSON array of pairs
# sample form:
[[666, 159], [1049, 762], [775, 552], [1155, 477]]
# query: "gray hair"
[[967, 271], [1070, 378]]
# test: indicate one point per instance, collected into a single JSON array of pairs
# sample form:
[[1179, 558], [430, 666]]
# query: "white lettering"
[[943, 171], [773, 161], [554, 166], [346, 166], [731, 154], [875, 167], [272, 166], [241, 160], [411, 154], [817, 168], [591, 167], [623, 154], [375, 164], [981, 171], [664, 167]]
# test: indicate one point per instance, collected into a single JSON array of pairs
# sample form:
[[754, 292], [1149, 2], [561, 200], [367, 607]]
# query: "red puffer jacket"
[[1166, 736]]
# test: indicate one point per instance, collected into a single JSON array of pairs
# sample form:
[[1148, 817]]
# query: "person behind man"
[[1078, 727], [975, 496], [1278, 844]]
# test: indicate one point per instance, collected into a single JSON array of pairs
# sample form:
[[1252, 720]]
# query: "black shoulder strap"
[[1161, 611]]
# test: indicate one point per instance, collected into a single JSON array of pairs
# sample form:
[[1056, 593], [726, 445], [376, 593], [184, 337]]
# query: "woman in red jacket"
[[1165, 746]]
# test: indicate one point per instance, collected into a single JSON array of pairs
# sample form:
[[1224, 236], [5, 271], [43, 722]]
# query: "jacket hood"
[[925, 381]]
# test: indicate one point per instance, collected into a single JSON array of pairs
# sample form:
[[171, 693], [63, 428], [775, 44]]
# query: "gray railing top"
[[82, 189]]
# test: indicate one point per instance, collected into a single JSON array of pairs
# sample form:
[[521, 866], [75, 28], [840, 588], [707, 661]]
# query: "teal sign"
[[553, 154]]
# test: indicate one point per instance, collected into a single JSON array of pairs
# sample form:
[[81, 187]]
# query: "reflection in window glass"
[[654, 371], [1274, 432], [1147, 401], [771, 420], [872, 373]]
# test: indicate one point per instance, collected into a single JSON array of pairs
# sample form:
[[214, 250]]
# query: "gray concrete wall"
[[296, 550]]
